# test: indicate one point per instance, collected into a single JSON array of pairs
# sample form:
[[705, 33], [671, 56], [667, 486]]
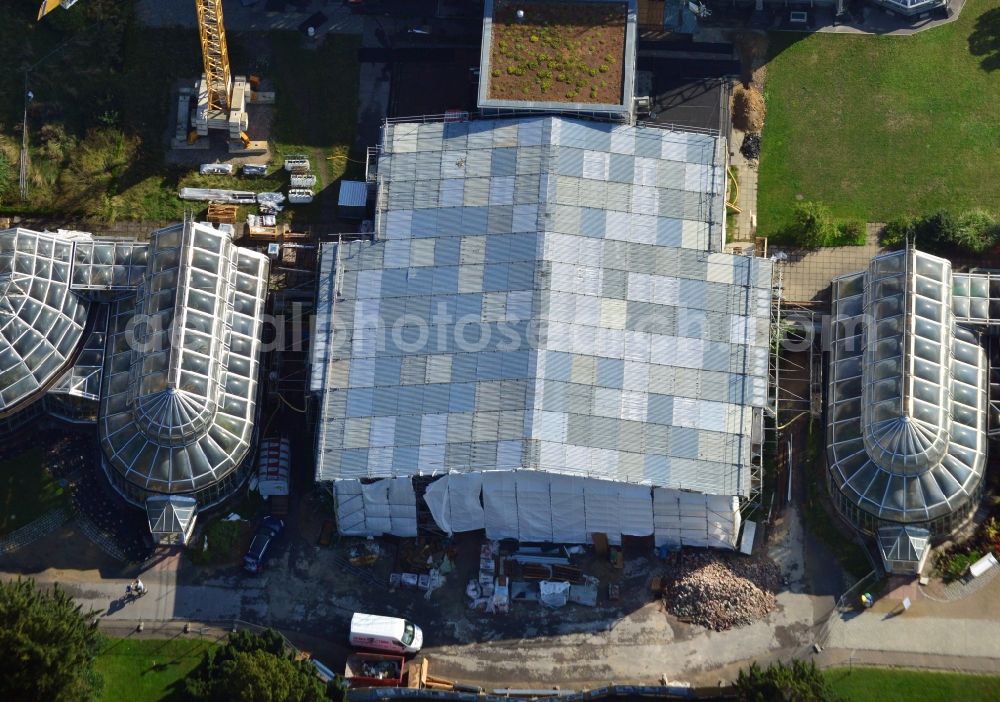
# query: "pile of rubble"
[[719, 591]]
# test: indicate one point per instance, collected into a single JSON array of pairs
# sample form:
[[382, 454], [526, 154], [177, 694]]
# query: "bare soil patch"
[[748, 109], [559, 52]]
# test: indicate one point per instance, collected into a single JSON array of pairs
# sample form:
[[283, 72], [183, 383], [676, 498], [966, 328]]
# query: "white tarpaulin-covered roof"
[[274, 462], [543, 294], [908, 391], [534, 506], [386, 506]]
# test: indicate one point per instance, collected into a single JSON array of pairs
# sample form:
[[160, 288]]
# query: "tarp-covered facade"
[[545, 305]]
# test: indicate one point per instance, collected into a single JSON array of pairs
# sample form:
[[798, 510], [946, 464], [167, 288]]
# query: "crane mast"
[[214, 54], [221, 98]]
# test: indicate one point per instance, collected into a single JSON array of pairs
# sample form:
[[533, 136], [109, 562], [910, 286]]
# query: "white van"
[[385, 633]]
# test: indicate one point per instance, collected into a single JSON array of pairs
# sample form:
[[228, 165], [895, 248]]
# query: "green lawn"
[[890, 685], [145, 670], [26, 491], [877, 127]]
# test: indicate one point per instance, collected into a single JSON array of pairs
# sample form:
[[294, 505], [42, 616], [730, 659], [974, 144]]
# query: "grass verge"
[[890, 685], [148, 670], [27, 491], [877, 127]]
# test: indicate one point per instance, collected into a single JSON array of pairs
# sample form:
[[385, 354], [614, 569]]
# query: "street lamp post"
[[23, 174], [29, 96]]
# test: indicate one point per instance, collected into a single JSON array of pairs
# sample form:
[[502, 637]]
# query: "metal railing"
[[670, 126], [456, 116], [847, 602]]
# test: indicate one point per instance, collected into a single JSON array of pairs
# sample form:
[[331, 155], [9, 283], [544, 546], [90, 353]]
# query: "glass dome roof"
[[179, 385], [908, 389], [42, 321]]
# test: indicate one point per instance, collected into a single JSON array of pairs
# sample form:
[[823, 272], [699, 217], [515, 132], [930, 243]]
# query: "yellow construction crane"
[[214, 53], [215, 60]]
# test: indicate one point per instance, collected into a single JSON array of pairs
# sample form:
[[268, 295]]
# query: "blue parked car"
[[267, 532]]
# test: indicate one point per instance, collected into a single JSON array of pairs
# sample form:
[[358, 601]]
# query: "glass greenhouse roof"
[[83, 379], [177, 405], [907, 390], [41, 321], [903, 543], [544, 293]]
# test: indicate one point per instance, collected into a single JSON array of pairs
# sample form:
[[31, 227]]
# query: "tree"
[[814, 225], [48, 645], [795, 682], [257, 668], [259, 676]]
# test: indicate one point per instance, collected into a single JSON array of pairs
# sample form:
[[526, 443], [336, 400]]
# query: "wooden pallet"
[[221, 213]]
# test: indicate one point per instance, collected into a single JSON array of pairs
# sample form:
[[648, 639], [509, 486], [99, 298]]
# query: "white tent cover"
[[387, 506], [533, 506]]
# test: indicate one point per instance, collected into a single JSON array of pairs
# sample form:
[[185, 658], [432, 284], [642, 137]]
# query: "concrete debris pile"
[[720, 592]]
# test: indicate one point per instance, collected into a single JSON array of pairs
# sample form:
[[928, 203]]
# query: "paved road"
[[303, 592], [180, 13]]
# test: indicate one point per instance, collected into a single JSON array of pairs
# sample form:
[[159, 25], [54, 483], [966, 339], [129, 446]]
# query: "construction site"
[[499, 372]]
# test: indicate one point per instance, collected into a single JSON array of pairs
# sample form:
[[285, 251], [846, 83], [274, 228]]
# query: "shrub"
[[796, 680], [853, 233], [944, 232], [814, 225], [976, 231], [896, 232], [952, 566]]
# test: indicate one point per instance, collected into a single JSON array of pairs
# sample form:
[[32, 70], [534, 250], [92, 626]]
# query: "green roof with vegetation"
[[560, 52]]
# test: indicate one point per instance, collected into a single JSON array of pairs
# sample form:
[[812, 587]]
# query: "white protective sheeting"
[[635, 510], [693, 519], [602, 511], [464, 490], [436, 497], [386, 506], [376, 499], [553, 593], [534, 509], [402, 507], [350, 507], [454, 502], [569, 523], [500, 502]]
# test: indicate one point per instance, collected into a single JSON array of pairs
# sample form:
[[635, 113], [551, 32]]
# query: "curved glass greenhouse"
[[42, 322], [908, 397], [179, 388], [158, 342]]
